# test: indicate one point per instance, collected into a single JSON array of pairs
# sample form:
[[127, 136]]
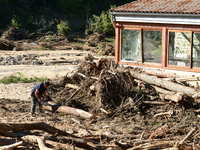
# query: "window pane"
[[152, 46], [179, 49], [131, 45], [196, 50]]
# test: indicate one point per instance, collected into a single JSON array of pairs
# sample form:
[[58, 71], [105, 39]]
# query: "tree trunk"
[[70, 110], [5, 127], [36, 139], [165, 84]]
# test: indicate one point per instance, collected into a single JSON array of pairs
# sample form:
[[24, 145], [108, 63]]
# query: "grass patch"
[[20, 78]]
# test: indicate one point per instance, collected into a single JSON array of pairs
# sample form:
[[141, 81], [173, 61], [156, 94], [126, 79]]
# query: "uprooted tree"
[[155, 113]]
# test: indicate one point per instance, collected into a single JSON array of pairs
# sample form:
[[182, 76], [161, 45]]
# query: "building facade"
[[158, 34]]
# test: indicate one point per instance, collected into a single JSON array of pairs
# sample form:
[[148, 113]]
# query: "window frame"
[[191, 49], [143, 63]]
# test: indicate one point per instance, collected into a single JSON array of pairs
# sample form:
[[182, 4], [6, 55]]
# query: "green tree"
[[101, 24]]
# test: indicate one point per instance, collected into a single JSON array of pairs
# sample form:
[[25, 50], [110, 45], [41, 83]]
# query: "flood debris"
[[133, 110]]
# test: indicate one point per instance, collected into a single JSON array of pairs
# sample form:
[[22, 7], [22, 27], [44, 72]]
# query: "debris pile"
[[133, 110], [6, 44], [153, 115]]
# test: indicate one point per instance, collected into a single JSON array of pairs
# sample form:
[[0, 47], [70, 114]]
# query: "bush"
[[101, 24], [14, 23], [63, 28]]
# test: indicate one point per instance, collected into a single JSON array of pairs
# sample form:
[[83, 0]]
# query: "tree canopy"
[[35, 14]]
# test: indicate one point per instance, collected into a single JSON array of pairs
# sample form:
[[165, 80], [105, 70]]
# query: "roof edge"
[[154, 14]]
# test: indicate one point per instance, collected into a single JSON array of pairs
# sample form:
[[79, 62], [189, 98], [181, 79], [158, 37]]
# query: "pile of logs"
[[155, 113]]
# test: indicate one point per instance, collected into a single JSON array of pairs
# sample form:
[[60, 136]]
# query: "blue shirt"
[[40, 87]]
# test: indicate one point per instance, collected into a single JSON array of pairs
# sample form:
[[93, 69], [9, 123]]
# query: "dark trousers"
[[34, 103]]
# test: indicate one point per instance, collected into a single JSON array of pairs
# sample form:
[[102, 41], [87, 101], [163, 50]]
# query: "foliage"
[[14, 23], [37, 15], [101, 24], [63, 28], [20, 78], [100, 49]]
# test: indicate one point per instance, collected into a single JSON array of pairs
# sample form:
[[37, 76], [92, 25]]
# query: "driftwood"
[[73, 86], [9, 147], [69, 138], [163, 91], [70, 110], [161, 144], [78, 142], [82, 75], [163, 83], [153, 103], [160, 132], [59, 144], [165, 114], [165, 94], [188, 135], [5, 127], [36, 139], [41, 142]]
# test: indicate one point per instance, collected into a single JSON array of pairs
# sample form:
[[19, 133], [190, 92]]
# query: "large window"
[[131, 45], [152, 46], [145, 49], [181, 46], [196, 50], [179, 49]]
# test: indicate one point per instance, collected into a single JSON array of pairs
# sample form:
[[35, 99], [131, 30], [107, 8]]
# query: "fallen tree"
[[153, 80], [8, 129], [69, 110], [5, 127]]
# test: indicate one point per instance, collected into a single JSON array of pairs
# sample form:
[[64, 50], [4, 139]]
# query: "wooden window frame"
[[159, 65], [191, 51]]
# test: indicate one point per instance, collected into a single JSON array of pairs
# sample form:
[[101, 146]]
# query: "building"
[[163, 34]]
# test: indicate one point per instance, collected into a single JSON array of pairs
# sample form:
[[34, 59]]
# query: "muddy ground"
[[126, 115]]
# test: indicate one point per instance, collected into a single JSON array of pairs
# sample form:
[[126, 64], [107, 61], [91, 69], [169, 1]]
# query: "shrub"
[[63, 28], [101, 24], [14, 23]]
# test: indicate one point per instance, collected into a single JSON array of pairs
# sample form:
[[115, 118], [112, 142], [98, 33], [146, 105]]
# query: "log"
[[73, 86], [36, 139], [6, 141], [5, 127], [70, 110], [175, 97], [10, 147], [163, 91], [163, 83]]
